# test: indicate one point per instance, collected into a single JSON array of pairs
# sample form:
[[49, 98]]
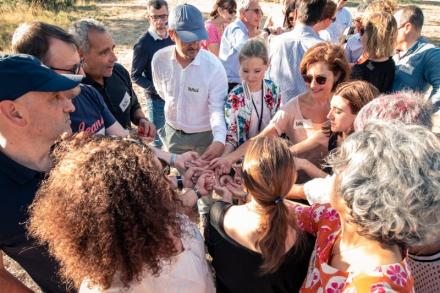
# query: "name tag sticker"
[[302, 123], [125, 102], [193, 89]]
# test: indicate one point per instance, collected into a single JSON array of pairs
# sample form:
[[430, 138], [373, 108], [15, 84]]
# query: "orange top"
[[323, 221]]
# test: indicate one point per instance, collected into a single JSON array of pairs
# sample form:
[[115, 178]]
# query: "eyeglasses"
[[161, 17], [73, 70], [230, 10], [321, 80], [402, 25], [257, 11], [291, 18]]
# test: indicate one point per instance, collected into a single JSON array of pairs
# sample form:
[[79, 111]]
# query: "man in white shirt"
[[287, 50], [343, 21], [193, 84]]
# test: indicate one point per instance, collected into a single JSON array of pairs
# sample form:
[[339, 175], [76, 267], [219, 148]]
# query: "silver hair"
[[406, 106], [80, 31], [390, 181], [244, 4]]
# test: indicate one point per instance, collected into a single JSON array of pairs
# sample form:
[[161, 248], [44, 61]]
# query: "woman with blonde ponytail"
[[257, 247]]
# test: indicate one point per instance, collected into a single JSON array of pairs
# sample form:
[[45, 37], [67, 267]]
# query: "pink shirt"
[[214, 36]]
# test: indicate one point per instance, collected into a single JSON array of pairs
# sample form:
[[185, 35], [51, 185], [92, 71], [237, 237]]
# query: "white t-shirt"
[[253, 129]]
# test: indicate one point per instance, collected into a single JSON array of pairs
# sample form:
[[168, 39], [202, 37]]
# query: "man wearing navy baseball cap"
[[35, 103]]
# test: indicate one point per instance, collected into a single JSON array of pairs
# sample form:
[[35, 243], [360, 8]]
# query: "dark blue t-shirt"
[[18, 185], [91, 113]]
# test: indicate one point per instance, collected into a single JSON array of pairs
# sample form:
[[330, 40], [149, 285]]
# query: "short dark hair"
[[329, 10], [33, 38], [310, 11], [157, 4], [412, 14]]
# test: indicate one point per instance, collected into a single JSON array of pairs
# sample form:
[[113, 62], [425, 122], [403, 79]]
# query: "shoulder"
[[164, 52], [119, 68], [207, 59], [142, 40]]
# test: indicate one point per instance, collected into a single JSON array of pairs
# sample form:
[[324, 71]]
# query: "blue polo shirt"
[[18, 185], [91, 113]]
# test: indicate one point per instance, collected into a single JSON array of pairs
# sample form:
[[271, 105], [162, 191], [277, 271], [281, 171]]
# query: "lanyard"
[[249, 95]]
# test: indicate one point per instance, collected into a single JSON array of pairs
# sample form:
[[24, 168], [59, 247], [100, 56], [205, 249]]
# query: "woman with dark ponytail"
[[257, 246]]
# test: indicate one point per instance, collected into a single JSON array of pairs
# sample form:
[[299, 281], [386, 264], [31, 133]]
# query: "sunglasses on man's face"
[[321, 80], [257, 11], [73, 70]]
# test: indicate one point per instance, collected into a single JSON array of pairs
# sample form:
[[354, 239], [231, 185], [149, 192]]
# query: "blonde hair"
[[381, 33], [254, 48], [389, 6]]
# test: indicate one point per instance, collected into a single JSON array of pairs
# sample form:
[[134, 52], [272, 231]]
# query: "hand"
[[221, 166], [215, 150], [146, 128], [224, 192], [197, 163], [205, 183], [183, 160], [225, 179], [191, 176], [237, 190]]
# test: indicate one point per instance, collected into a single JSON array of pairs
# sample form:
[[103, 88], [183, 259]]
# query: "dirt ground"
[[127, 21]]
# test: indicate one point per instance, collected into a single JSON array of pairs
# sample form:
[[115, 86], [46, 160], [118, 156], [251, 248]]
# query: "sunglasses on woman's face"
[[230, 10], [318, 78]]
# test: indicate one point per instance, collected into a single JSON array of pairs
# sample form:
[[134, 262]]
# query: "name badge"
[[193, 90], [302, 123], [408, 69], [125, 102]]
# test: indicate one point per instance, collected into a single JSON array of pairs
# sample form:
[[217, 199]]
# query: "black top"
[[143, 52], [379, 74], [237, 267], [118, 94], [18, 186]]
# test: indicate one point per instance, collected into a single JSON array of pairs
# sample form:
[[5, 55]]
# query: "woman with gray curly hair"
[[386, 175]]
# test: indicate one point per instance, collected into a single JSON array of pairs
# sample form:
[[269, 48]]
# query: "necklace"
[[248, 93]]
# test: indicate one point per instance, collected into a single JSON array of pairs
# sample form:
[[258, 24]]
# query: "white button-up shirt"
[[195, 95]]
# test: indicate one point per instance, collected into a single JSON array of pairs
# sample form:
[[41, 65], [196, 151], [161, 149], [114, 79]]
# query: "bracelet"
[[199, 196], [173, 159], [179, 182]]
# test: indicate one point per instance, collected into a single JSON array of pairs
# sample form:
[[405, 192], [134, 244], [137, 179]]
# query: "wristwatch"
[[198, 194], [179, 182]]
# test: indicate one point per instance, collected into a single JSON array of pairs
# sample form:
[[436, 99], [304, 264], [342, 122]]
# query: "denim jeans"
[[155, 111]]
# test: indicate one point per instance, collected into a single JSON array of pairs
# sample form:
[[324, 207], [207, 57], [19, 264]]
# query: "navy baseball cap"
[[187, 21], [21, 73]]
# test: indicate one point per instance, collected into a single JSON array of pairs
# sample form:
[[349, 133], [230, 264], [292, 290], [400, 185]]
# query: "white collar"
[[155, 35]]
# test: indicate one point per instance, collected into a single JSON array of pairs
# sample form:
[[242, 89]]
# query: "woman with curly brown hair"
[[109, 216]]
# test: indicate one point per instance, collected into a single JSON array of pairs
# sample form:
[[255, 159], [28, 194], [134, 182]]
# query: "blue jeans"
[[155, 112]]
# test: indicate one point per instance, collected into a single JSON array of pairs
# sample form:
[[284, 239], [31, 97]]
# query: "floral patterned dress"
[[238, 111], [323, 221]]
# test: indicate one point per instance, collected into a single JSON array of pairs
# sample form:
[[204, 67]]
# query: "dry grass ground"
[[127, 21]]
